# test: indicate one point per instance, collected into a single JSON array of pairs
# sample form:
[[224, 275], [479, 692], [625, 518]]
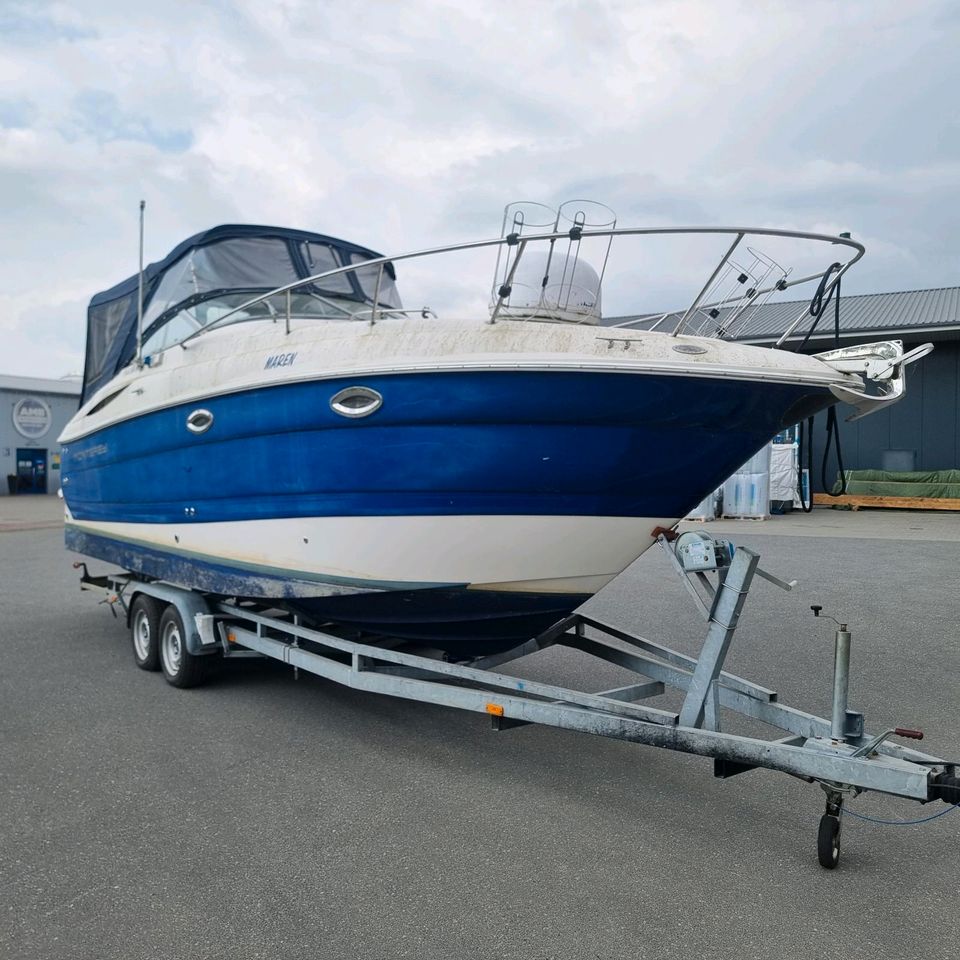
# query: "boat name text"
[[94, 451], [279, 360]]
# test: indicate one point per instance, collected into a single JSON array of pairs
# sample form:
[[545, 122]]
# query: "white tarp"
[[783, 471]]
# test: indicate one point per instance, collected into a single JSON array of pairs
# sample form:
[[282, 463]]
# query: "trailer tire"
[[145, 632], [828, 841], [180, 667]]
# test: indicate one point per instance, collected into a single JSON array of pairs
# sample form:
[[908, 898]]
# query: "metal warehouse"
[[38, 409]]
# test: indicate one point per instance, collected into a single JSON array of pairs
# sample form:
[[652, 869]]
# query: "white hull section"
[[552, 554]]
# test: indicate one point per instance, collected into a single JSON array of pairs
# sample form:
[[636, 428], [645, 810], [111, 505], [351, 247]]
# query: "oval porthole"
[[356, 402], [689, 348], [200, 421]]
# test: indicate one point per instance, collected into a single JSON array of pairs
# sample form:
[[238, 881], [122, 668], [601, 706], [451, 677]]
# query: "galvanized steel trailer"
[[176, 630]]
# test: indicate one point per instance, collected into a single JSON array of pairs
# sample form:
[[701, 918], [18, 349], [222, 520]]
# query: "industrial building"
[[38, 409], [923, 429]]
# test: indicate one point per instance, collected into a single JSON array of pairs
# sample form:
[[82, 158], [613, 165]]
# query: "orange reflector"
[[231, 638], [495, 709]]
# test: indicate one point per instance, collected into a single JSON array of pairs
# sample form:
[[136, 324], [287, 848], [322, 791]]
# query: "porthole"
[[356, 402], [689, 348], [200, 421]]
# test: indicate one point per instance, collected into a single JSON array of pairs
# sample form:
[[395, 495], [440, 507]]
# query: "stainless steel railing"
[[521, 243]]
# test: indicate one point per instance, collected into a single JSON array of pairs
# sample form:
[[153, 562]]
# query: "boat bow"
[[880, 364]]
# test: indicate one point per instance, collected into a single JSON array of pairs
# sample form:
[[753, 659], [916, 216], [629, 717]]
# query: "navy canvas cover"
[[258, 260]]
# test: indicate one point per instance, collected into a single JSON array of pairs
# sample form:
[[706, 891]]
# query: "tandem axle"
[[176, 630]]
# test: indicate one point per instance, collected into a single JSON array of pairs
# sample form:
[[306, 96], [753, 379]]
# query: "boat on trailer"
[[306, 471], [262, 419]]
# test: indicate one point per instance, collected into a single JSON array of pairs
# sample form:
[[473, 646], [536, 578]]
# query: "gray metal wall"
[[925, 420], [62, 408]]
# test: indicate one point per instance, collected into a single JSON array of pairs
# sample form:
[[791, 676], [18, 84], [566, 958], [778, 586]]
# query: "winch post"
[[731, 595], [841, 683]]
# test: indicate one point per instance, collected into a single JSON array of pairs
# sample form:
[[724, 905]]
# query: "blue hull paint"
[[458, 443], [506, 443]]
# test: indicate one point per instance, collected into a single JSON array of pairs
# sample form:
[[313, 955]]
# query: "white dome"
[[571, 293]]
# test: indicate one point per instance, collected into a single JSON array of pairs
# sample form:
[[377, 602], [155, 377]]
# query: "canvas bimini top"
[[211, 273]]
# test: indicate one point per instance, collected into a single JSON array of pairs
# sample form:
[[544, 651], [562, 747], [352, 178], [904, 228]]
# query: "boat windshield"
[[209, 312], [211, 281]]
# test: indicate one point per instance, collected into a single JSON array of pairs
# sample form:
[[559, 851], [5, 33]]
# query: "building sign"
[[31, 417]]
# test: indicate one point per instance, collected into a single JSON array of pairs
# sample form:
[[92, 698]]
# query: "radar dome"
[[557, 286]]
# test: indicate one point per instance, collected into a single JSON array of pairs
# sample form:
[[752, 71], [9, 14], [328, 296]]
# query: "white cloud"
[[404, 126]]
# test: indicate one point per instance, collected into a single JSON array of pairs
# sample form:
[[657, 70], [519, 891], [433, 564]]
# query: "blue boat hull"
[[464, 443]]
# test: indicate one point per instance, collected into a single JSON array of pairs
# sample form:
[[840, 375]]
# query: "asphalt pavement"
[[259, 816]]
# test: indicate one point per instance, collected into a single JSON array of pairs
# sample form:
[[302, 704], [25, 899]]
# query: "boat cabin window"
[[368, 283], [249, 263], [177, 328], [105, 322], [320, 258], [190, 319], [210, 282]]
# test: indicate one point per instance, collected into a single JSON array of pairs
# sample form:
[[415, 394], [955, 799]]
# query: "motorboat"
[[262, 419]]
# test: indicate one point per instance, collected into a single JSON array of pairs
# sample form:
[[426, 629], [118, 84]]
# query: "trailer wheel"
[[145, 632], [180, 667], [828, 841]]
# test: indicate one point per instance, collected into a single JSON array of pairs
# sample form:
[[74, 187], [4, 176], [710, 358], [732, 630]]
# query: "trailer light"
[[231, 638], [495, 709]]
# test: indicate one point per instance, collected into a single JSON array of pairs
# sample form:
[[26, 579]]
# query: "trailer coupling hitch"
[[88, 582], [945, 787]]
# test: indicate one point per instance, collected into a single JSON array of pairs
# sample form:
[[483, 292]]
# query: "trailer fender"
[[198, 621]]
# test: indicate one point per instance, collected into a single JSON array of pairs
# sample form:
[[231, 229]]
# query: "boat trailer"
[[175, 629]]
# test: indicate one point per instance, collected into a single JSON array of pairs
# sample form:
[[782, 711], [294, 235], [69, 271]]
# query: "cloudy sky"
[[405, 125]]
